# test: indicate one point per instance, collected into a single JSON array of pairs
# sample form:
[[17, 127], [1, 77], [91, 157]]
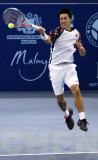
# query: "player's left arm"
[[80, 47]]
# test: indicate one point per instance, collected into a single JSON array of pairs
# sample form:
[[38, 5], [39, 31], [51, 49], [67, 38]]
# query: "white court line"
[[43, 154], [48, 3]]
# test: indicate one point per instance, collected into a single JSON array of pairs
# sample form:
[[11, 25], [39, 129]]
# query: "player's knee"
[[77, 92], [60, 98]]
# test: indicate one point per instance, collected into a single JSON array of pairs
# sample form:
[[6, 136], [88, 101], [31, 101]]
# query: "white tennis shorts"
[[62, 74]]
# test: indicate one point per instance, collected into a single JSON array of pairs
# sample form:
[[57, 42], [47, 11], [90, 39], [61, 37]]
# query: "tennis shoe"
[[83, 124], [69, 120]]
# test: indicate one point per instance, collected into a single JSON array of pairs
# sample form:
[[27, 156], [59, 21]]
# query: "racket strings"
[[15, 16]]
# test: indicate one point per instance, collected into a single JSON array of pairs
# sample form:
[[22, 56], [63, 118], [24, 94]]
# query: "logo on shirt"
[[76, 35], [92, 30]]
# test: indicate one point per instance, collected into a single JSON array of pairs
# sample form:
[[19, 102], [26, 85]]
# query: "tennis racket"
[[15, 17]]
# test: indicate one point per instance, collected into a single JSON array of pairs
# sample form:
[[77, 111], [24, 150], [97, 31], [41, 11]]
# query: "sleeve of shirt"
[[55, 33], [79, 39]]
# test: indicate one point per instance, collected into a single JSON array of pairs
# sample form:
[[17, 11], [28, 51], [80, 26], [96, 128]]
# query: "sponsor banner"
[[24, 57]]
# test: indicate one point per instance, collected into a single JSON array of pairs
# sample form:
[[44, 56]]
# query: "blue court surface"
[[32, 127]]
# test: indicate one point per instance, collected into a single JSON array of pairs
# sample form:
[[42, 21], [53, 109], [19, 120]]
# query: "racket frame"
[[25, 19]]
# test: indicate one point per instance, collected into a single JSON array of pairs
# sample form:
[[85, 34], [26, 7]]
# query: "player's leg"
[[72, 82], [57, 79], [67, 112], [62, 103], [78, 101]]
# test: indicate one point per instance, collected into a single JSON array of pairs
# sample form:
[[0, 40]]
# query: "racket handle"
[[36, 27]]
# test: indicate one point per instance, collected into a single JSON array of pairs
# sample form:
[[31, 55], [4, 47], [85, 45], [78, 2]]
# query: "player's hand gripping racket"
[[14, 18]]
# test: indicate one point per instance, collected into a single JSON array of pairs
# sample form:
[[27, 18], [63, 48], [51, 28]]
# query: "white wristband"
[[44, 37]]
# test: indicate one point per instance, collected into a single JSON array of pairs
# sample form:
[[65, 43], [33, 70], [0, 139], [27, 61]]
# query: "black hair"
[[65, 11]]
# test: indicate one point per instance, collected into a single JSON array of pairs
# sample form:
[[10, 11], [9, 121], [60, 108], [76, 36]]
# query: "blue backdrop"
[[24, 57]]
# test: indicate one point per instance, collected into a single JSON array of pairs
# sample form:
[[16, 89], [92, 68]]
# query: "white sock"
[[66, 113], [82, 115]]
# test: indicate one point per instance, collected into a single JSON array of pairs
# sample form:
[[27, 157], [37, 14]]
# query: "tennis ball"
[[11, 25]]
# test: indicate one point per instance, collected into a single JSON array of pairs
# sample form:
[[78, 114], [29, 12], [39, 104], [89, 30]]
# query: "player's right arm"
[[44, 36]]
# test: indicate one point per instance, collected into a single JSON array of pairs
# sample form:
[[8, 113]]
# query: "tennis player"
[[64, 41]]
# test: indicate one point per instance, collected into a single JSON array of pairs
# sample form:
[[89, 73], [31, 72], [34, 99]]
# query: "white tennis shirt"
[[64, 47]]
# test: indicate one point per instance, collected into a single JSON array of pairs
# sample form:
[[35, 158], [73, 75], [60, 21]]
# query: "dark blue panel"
[[24, 57], [48, 1]]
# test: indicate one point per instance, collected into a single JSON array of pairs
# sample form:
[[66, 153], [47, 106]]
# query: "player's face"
[[65, 21]]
